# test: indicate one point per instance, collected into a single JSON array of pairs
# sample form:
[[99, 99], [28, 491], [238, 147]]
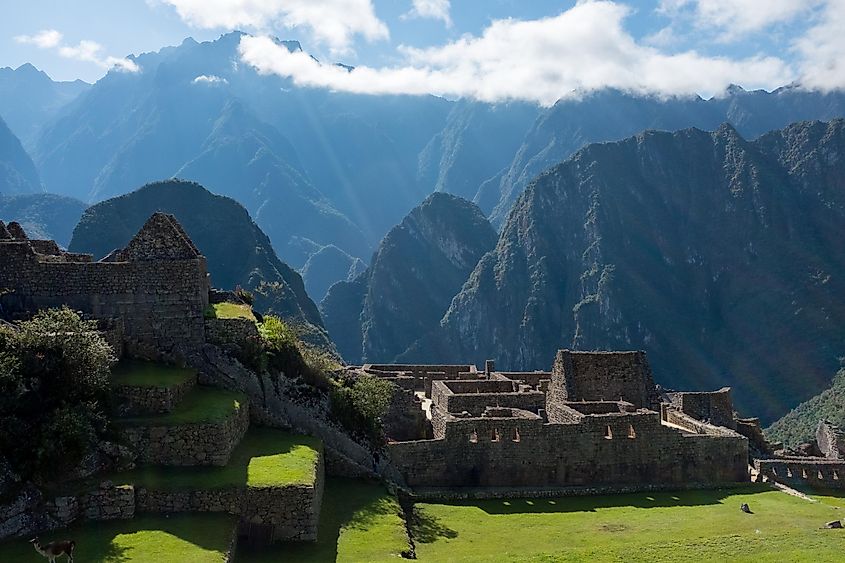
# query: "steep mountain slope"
[[43, 216], [723, 258], [29, 98], [476, 142], [611, 115], [238, 252], [419, 266], [325, 267], [17, 172], [799, 424]]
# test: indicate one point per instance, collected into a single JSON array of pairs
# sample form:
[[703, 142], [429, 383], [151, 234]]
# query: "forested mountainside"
[[17, 172], [799, 424], [43, 216], [723, 258], [238, 252], [418, 267]]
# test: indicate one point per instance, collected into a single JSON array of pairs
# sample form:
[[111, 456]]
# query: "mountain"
[[799, 424], [418, 267], [29, 98], [17, 172], [43, 216], [238, 252], [610, 115], [325, 267], [477, 140], [309, 165], [721, 257]]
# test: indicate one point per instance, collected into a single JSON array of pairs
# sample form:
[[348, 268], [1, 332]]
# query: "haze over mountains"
[[717, 253]]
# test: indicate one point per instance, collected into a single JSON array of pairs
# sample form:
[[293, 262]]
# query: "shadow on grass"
[[426, 528], [347, 505], [593, 503], [99, 541]]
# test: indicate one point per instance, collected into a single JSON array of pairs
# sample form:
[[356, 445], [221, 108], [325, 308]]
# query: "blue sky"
[[458, 48]]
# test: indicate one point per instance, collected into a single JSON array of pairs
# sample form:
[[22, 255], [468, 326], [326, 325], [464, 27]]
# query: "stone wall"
[[160, 297], [715, 407], [108, 502], [208, 443], [424, 374], [612, 449], [474, 396], [830, 440], [140, 401], [231, 334], [281, 513], [814, 472], [596, 376]]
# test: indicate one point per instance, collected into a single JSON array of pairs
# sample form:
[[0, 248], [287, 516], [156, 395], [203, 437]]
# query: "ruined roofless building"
[[152, 293], [596, 421]]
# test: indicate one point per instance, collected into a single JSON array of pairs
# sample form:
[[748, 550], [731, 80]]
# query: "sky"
[[491, 50]]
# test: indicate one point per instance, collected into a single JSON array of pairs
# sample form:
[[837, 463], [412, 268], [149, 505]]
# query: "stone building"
[[596, 421], [151, 293]]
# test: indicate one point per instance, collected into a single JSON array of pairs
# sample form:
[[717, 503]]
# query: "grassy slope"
[[149, 374], [684, 526], [359, 522], [195, 538], [799, 424], [264, 458], [202, 404], [231, 311]]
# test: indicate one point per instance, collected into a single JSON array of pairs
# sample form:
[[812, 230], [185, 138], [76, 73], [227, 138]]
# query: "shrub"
[[359, 403], [54, 391], [245, 295]]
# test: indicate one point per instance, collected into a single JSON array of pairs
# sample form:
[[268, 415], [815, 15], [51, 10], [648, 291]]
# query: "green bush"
[[54, 392], [359, 403]]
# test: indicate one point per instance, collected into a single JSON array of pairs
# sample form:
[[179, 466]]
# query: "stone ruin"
[[151, 294], [819, 464], [595, 422]]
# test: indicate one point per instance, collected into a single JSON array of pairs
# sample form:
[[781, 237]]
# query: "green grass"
[[264, 458], [137, 373], [200, 405], [359, 522], [229, 311], [671, 527], [194, 538]]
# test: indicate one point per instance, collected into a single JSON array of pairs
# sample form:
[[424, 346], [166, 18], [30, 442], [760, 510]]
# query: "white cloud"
[[433, 9], [822, 49], [583, 49], [90, 51], [44, 39], [211, 80], [331, 22], [733, 19]]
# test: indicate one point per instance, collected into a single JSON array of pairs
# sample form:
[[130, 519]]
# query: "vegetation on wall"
[[54, 383], [799, 424]]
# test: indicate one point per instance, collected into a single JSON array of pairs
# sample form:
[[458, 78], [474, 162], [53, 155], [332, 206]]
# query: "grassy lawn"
[[149, 374], [264, 458], [229, 311], [359, 522], [192, 538], [683, 526], [201, 404]]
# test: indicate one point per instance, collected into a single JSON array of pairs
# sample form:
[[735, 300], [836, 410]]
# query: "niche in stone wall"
[[515, 437], [494, 435], [835, 475], [788, 471], [631, 432], [608, 433], [820, 476], [803, 473], [473, 437]]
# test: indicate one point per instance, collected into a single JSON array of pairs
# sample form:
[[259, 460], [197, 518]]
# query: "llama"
[[54, 549]]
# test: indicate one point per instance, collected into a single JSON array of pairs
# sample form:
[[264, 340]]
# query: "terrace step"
[[203, 429], [147, 388]]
